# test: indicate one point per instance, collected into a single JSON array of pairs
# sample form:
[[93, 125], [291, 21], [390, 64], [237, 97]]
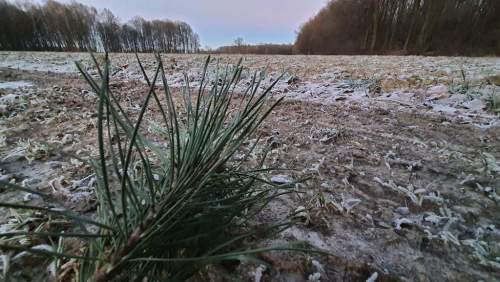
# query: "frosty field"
[[401, 156]]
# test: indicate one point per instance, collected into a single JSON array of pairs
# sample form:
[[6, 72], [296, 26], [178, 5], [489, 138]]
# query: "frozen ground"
[[402, 153], [455, 85]]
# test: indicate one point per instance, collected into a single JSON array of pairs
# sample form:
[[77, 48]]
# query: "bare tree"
[[409, 26], [76, 27]]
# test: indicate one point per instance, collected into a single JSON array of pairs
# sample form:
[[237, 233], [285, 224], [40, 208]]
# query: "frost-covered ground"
[[452, 85], [402, 152], [457, 86]]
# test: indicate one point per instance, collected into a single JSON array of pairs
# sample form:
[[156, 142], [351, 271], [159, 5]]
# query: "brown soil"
[[352, 152]]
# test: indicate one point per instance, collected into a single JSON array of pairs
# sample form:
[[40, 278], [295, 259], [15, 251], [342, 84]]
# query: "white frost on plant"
[[259, 272]]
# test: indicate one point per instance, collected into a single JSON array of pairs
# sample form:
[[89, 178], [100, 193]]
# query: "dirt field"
[[402, 155]]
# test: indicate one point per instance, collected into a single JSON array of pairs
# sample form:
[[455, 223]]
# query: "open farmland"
[[401, 156]]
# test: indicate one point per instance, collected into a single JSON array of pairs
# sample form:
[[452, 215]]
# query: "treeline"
[[264, 49], [449, 27], [54, 26]]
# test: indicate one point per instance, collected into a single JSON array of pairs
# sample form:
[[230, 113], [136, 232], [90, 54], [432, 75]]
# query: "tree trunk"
[[414, 16]]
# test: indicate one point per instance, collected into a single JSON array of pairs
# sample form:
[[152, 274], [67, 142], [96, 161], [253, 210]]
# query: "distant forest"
[[264, 48], [428, 27], [54, 26], [434, 27]]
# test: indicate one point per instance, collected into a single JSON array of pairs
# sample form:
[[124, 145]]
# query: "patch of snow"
[[373, 277], [444, 108], [310, 236], [15, 84], [281, 179], [315, 277], [475, 105], [258, 272]]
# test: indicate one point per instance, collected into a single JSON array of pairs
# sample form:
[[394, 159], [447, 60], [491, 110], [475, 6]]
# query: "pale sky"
[[219, 22]]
